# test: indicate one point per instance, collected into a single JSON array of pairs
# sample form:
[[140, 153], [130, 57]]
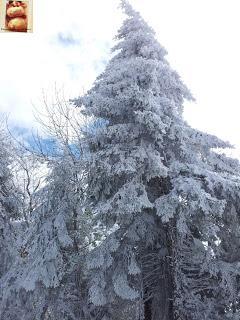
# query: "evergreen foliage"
[[9, 202], [46, 278], [168, 199]]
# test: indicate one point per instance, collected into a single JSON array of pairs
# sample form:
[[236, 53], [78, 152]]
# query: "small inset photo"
[[17, 16]]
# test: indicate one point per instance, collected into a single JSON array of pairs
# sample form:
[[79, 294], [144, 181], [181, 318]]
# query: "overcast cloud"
[[71, 43]]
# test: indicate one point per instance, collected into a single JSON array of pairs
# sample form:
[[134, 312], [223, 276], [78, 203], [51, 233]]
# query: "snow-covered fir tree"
[[46, 279], [169, 201], [9, 202], [10, 209]]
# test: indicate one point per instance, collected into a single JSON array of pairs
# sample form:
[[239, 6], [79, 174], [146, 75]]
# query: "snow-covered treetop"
[[127, 8], [138, 35]]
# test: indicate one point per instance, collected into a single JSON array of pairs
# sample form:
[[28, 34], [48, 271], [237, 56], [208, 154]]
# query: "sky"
[[71, 41]]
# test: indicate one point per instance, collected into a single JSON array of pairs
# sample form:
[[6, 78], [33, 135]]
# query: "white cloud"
[[32, 62], [200, 36]]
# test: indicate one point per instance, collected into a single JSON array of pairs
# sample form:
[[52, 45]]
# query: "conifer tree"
[[8, 205], [46, 279], [10, 213], [168, 200]]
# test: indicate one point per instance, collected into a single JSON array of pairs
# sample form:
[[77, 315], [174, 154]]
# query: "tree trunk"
[[159, 268], [148, 310]]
